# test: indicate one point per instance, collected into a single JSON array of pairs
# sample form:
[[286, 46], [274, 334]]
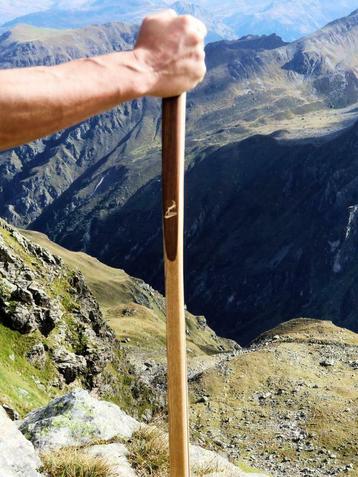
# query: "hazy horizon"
[[288, 18]]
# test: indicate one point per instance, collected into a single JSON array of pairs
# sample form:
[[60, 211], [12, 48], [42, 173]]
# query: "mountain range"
[[225, 20], [265, 109]]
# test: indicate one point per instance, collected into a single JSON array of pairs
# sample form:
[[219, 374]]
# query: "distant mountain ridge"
[[109, 11], [26, 45], [226, 19]]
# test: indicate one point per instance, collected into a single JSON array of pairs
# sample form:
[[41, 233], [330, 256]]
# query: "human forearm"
[[47, 99], [167, 60]]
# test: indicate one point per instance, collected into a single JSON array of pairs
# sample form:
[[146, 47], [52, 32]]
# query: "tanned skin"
[[168, 59]]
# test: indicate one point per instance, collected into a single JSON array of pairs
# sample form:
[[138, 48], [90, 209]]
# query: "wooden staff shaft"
[[173, 225]]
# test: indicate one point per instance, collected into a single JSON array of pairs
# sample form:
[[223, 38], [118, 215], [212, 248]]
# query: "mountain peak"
[[262, 42]]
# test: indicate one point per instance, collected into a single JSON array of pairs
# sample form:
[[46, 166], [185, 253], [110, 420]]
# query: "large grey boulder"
[[76, 419], [18, 457]]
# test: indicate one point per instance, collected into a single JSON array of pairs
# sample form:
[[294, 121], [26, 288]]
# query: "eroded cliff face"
[[95, 154], [270, 233], [51, 318], [53, 335], [80, 177]]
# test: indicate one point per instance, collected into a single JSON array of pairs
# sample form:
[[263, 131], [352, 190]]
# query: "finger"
[[201, 27]]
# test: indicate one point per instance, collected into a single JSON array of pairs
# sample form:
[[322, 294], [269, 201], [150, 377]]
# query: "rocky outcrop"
[[76, 419], [41, 297], [17, 455]]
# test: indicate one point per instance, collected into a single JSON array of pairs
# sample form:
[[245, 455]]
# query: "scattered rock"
[[37, 355], [69, 364], [327, 363], [354, 364], [19, 317], [203, 399], [21, 294], [11, 412]]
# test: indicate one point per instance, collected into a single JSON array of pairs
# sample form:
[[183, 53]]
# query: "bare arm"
[[167, 60], [39, 101]]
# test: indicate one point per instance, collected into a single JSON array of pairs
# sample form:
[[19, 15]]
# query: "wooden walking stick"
[[173, 225]]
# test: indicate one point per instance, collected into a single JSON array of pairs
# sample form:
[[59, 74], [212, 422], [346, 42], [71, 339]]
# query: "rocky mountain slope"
[[52, 331], [54, 335], [95, 187], [287, 404], [136, 312], [54, 339], [62, 15], [278, 220], [291, 20]]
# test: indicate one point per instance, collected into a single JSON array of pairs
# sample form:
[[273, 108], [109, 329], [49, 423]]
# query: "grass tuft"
[[74, 463], [148, 452]]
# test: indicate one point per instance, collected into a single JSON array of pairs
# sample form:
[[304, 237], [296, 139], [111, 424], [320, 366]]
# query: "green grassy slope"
[[22, 386], [133, 309]]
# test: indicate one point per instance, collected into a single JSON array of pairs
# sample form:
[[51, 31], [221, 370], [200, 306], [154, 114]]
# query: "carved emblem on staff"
[[171, 211]]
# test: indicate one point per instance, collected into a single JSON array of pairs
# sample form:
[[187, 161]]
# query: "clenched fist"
[[170, 49]]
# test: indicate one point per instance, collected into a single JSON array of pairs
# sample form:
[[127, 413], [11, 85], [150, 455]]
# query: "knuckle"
[[201, 54], [169, 13], [203, 29], [186, 20], [193, 37]]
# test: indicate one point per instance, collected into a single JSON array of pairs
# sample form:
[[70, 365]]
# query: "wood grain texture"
[[173, 227]]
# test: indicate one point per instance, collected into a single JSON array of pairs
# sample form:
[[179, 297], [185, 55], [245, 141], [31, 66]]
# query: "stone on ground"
[[214, 465], [116, 456]]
